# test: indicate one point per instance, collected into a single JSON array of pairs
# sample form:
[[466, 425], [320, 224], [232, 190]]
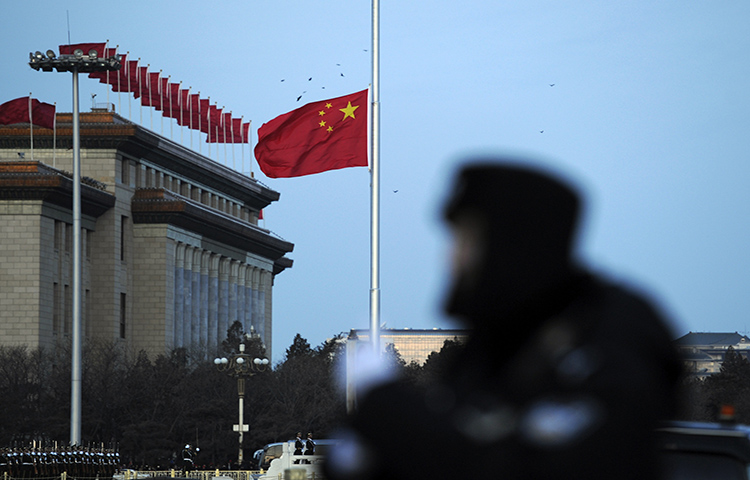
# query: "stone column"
[[263, 277], [247, 313], [241, 297], [178, 294], [187, 305], [224, 265], [195, 317], [233, 273], [257, 321], [214, 335], [205, 261]]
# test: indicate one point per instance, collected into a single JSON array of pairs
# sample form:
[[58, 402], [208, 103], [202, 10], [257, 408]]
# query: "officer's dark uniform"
[[188, 461], [564, 376]]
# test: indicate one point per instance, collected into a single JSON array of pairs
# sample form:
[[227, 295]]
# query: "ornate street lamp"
[[79, 61], [241, 366]]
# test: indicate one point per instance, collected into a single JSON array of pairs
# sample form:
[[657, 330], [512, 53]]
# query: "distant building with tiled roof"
[[703, 352], [415, 345]]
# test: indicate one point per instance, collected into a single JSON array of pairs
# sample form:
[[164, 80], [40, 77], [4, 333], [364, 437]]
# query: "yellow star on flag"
[[349, 111]]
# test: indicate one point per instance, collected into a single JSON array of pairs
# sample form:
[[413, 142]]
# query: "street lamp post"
[[241, 366], [77, 62]]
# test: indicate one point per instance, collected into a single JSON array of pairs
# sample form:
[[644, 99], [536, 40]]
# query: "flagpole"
[[140, 88], [119, 87], [127, 72], [375, 183], [31, 128], [54, 138]]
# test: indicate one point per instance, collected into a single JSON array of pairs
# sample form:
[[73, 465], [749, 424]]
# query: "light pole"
[[77, 62], [241, 366]]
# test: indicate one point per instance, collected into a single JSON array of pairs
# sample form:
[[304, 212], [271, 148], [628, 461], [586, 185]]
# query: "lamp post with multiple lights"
[[241, 365], [77, 62]]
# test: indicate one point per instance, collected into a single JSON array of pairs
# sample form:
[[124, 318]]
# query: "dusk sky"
[[643, 105]]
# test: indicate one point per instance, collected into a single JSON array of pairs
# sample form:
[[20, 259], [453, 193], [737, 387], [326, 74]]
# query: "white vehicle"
[[312, 464]]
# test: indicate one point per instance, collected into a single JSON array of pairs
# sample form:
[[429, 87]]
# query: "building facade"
[[703, 353], [414, 345], [172, 253]]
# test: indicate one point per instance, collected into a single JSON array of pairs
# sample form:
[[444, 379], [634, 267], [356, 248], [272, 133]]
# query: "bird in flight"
[[551, 84]]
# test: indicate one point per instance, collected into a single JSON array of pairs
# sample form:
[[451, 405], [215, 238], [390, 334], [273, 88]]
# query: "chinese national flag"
[[317, 137]]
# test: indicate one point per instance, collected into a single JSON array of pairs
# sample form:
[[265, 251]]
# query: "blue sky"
[[649, 115]]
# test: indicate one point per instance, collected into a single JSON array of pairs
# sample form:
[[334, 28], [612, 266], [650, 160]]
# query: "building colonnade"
[[211, 292]]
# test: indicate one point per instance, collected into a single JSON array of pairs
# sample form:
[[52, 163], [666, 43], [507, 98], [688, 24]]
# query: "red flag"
[[143, 83], [245, 133], [204, 105], [223, 133], [107, 76], [132, 77], [237, 131], [86, 47], [183, 114], [210, 117], [17, 111], [194, 110], [164, 93], [118, 79], [151, 97], [171, 94], [317, 137]]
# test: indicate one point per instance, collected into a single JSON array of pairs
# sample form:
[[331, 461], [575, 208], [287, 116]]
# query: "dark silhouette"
[[309, 445], [565, 374], [298, 446], [188, 459]]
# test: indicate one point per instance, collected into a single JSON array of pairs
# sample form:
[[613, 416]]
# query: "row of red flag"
[[154, 90], [301, 142], [320, 136]]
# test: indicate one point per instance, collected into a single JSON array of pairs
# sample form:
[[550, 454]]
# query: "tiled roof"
[[712, 339]]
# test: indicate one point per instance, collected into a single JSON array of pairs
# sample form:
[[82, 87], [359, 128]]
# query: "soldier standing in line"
[[298, 446], [188, 459], [309, 445]]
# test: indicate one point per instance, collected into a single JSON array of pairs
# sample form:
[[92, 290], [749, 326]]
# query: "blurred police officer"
[[565, 375]]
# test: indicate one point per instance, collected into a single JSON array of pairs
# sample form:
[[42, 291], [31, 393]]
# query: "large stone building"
[[703, 352], [172, 253], [414, 345]]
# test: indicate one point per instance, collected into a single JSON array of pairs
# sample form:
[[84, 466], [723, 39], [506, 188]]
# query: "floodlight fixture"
[[51, 54], [93, 54], [78, 53]]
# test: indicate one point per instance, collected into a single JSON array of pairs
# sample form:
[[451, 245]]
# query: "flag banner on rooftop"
[[320, 136], [17, 111]]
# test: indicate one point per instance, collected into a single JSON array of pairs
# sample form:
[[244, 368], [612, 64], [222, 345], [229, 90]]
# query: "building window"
[[68, 309], [55, 308], [68, 238], [123, 226], [88, 245], [123, 314], [59, 229], [125, 173], [87, 313]]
